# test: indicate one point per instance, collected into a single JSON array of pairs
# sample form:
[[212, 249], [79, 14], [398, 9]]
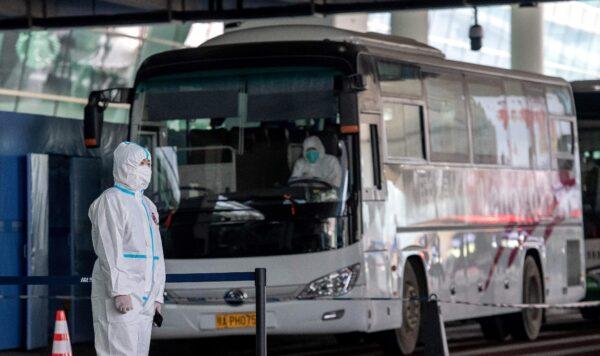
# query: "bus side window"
[[448, 130], [403, 125], [521, 133], [489, 126], [537, 118], [400, 79]]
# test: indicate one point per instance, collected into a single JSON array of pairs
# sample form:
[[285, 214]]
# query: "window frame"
[[485, 79], [386, 94], [520, 82], [452, 72], [528, 85]]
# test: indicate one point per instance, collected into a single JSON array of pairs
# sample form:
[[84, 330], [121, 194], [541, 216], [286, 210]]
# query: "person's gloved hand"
[[123, 303], [157, 307]]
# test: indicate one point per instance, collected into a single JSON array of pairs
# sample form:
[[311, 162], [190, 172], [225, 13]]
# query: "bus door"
[[370, 159], [373, 196]]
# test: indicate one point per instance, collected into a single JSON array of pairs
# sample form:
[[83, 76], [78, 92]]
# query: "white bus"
[[453, 179]]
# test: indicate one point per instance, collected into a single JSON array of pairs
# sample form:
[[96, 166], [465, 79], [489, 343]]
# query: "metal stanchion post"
[[435, 332], [260, 283]]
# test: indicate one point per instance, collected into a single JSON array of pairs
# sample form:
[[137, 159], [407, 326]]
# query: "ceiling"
[[21, 14]]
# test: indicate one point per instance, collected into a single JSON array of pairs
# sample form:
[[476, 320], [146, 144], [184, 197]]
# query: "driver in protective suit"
[[128, 280], [316, 164]]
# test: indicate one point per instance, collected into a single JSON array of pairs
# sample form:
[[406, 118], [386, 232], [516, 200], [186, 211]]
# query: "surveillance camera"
[[476, 37]]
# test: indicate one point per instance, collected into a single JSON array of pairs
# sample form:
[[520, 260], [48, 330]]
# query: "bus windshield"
[[233, 176]]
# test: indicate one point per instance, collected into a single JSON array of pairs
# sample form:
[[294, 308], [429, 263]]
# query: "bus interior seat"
[[263, 163], [330, 142], [294, 147], [276, 170]]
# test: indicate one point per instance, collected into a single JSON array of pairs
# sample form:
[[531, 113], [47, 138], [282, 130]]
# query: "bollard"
[[435, 333], [260, 283]]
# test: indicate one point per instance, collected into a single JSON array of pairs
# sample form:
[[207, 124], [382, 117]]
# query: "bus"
[[587, 103], [450, 178]]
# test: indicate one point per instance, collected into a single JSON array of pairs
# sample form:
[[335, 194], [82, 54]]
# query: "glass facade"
[[571, 36], [52, 72]]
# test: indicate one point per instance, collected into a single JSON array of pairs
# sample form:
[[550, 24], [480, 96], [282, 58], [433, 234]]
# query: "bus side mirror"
[[92, 125], [348, 108], [94, 112], [349, 86]]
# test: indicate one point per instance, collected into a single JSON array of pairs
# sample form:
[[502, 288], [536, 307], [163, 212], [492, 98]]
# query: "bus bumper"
[[288, 317]]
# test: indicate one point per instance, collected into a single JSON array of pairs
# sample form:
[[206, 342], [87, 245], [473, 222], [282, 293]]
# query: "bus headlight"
[[334, 284]]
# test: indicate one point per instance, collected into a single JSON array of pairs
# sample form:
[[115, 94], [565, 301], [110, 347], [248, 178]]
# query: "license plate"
[[236, 320]]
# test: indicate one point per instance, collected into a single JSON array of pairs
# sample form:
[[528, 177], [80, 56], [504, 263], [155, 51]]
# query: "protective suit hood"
[[315, 143], [126, 165], [326, 168]]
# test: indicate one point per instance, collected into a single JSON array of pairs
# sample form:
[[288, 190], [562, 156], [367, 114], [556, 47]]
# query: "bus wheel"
[[526, 324], [405, 339], [592, 313], [494, 328]]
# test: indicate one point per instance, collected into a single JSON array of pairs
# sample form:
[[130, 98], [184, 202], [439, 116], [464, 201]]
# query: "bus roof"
[[376, 43], [303, 40], [290, 33]]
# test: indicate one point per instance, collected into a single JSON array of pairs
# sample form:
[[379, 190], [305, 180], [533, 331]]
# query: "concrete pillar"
[[526, 35], [412, 24]]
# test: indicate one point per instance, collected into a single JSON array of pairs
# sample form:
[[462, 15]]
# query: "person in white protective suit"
[[316, 164], [128, 280]]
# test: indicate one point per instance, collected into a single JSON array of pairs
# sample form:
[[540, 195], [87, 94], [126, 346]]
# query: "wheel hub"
[[411, 307]]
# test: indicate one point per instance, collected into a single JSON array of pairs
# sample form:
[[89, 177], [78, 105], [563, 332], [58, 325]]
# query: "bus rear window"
[[559, 101], [562, 136]]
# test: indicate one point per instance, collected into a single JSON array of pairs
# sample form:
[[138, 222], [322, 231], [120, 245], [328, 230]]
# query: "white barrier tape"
[[584, 304]]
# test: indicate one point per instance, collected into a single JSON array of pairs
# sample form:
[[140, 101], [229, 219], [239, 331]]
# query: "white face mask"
[[140, 177]]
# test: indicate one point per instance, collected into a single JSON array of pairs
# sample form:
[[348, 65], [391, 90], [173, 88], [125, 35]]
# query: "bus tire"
[[494, 328], [526, 324], [404, 340], [592, 313]]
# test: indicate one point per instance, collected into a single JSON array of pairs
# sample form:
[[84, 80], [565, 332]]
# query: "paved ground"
[[565, 334]]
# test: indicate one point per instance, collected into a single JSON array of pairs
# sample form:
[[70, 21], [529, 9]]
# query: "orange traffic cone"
[[61, 346]]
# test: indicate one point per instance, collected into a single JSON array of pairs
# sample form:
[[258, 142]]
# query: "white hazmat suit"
[[326, 167], [130, 259]]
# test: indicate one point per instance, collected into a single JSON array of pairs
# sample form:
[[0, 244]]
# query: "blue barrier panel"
[[12, 237], [258, 276]]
